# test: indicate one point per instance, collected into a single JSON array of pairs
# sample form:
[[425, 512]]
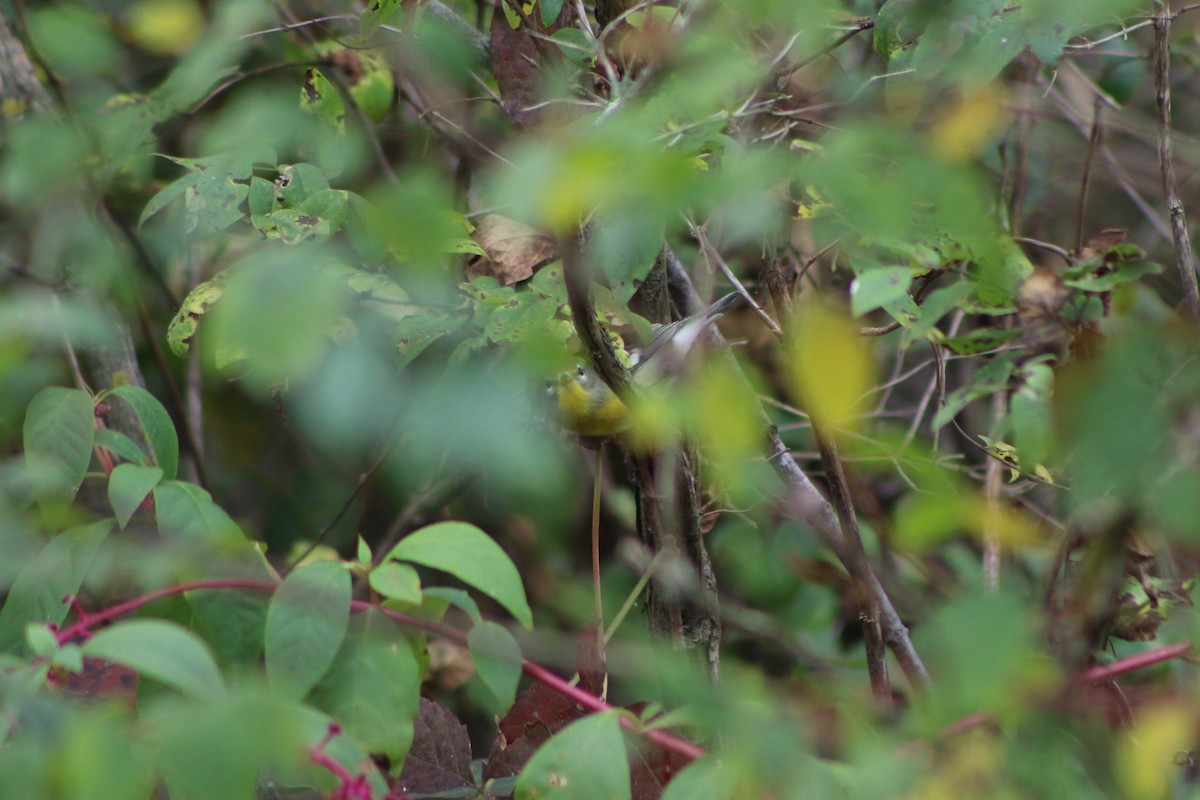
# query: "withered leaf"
[[514, 250], [539, 713], [440, 757], [519, 59]]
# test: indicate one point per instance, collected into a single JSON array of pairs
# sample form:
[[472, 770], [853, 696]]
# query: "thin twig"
[[363, 480], [857, 28], [1185, 259], [291, 26], [1085, 181], [993, 484], [431, 490], [710, 253], [1047, 246], [1124, 32], [1020, 167], [610, 71], [1115, 168], [596, 539]]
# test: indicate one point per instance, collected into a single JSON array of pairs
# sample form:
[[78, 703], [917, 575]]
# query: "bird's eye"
[[580, 371], [549, 385]]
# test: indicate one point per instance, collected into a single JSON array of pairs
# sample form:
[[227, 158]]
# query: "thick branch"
[[583, 313]]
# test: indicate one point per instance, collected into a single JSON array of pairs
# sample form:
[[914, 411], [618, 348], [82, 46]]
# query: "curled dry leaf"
[[514, 250]]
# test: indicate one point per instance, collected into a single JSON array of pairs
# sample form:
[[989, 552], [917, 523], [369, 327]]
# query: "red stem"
[[1102, 672], [662, 738]]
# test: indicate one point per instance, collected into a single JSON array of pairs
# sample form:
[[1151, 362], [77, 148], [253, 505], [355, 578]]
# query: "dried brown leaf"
[[514, 249], [440, 757]]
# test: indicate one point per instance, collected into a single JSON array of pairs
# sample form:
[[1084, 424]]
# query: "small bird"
[[587, 406]]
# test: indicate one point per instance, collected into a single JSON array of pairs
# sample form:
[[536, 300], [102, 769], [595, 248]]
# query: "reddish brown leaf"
[[440, 758], [650, 766], [539, 713], [100, 680], [518, 61]]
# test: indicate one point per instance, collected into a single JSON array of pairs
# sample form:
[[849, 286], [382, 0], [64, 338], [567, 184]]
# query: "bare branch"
[[1185, 259]]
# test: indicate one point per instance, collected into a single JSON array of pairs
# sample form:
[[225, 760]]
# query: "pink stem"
[[1102, 672], [668, 741]]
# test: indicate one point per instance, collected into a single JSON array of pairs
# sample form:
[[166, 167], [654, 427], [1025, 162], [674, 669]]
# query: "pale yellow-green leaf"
[[829, 365]]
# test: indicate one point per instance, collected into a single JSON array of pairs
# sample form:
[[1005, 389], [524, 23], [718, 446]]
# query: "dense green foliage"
[[281, 287]]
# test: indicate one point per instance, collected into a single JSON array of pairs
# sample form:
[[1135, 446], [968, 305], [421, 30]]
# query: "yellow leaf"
[[1145, 758], [829, 365], [723, 414], [165, 27], [966, 127]]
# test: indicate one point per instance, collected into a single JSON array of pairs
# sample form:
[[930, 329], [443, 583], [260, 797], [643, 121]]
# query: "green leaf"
[[261, 199], [156, 426], [41, 640], [306, 624], [1124, 273], [376, 14], [414, 334], [98, 755], [877, 287], [892, 27], [457, 598], [120, 445], [939, 303], [526, 318], [626, 245], [320, 98], [363, 552], [161, 650], [473, 557], [991, 378], [220, 749], [280, 307], [59, 431], [1030, 413], [550, 10], [186, 512], [186, 322], [497, 658], [707, 779], [576, 46], [584, 761], [233, 622], [374, 686], [980, 340], [128, 486], [397, 581], [300, 181], [212, 190], [54, 573], [372, 86]]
